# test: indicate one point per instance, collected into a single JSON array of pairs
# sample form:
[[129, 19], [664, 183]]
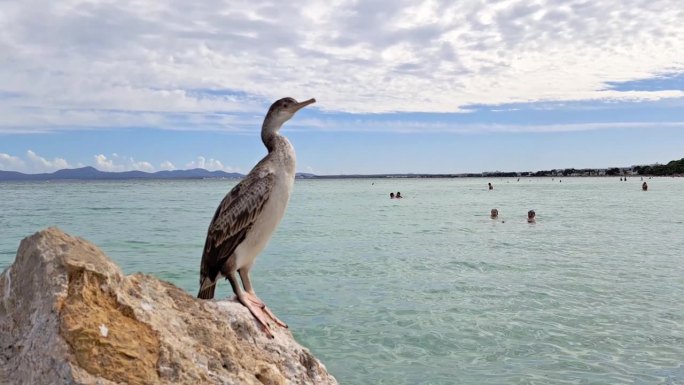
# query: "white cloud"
[[40, 164], [104, 164], [354, 56], [11, 163], [32, 163], [118, 164], [209, 164], [166, 165], [409, 126], [143, 166]]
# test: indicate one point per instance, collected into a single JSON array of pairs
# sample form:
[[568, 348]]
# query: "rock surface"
[[69, 316]]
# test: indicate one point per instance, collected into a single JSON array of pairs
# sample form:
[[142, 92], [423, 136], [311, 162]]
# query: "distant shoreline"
[[435, 176], [674, 168], [152, 177]]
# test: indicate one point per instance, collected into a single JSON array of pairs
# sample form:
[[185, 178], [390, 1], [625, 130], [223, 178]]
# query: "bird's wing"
[[233, 218]]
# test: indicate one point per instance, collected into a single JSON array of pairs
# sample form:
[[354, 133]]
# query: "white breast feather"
[[273, 211]]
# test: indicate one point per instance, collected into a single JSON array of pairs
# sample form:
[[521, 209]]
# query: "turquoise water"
[[427, 289]]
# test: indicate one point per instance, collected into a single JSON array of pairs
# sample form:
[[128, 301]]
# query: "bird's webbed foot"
[[261, 305], [263, 314]]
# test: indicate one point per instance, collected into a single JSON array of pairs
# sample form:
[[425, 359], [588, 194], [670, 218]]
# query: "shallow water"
[[427, 289]]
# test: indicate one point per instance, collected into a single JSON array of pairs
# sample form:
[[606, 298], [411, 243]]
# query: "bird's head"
[[282, 110]]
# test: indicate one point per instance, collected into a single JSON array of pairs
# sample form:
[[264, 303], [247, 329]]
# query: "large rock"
[[69, 316]]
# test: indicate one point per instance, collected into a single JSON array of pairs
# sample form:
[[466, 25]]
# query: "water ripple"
[[428, 289]]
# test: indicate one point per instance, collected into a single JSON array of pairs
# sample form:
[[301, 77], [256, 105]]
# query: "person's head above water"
[[399, 195], [494, 213], [530, 215], [392, 195]]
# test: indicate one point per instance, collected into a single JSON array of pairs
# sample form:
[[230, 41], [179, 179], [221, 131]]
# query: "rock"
[[69, 316]]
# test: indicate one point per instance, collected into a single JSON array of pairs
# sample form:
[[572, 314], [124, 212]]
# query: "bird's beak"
[[303, 104]]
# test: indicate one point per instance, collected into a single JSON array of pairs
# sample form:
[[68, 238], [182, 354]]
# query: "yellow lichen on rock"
[[128, 352]]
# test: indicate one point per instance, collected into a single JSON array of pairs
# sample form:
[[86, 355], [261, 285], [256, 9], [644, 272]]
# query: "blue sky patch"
[[666, 82]]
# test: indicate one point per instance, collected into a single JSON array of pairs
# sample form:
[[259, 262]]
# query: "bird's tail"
[[207, 288]]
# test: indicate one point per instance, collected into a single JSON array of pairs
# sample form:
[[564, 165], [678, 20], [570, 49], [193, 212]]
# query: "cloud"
[[118, 164], [214, 65], [11, 163], [209, 164], [166, 165], [32, 163], [143, 166], [408, 126], [40, 164]]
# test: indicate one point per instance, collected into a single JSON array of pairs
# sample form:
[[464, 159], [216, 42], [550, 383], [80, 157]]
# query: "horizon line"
[[370, 175]]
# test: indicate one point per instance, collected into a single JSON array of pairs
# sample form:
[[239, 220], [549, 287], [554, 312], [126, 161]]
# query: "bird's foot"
[[261, 305], [258, 313]]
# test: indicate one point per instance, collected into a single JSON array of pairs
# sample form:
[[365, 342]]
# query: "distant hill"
[[305, 175], [91, 173]]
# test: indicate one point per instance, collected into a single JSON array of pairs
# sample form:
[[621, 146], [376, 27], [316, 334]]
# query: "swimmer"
[[494, 214], [490, 186], [530, 216], [644, 186], [391, 195], [398, 196]]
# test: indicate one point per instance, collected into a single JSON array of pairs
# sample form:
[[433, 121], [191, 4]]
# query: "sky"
[[401, 86]]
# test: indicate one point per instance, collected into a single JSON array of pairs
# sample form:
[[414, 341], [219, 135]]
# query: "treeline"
[[672, 168], [675, 167], [570, 172]]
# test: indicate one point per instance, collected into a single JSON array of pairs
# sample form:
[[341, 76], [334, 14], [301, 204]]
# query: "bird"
[[249, 214]]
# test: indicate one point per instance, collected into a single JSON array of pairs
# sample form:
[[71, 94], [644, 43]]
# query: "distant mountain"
[[90, 173], [304, 175]]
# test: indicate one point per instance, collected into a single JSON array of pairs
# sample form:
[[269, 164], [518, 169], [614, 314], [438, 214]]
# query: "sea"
[[426, 289]]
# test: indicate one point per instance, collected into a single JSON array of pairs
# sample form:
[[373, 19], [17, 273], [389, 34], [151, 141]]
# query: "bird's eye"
[[285, 105]]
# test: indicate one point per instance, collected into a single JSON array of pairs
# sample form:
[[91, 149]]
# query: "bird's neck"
[[270, 135], [280, 151]]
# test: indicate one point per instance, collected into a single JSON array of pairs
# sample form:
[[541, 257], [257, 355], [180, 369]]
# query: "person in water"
[[644, 186], [490, 186], [399, 195], [530, 216], [494, 214], [391, 195]]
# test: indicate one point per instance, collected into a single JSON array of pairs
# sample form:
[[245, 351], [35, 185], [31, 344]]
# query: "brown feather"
[[233, 218]]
